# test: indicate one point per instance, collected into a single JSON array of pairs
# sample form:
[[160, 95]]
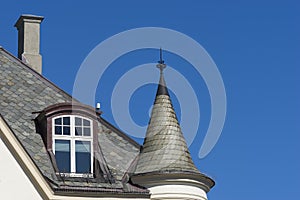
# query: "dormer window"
[[73, 144], [70, 133]]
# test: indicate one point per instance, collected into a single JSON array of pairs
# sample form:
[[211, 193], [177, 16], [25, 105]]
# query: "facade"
[[54, 147]]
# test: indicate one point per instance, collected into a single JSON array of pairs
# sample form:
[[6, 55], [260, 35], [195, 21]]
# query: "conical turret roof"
[[164, 148]]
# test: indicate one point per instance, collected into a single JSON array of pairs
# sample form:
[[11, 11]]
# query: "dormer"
[[70, 133]]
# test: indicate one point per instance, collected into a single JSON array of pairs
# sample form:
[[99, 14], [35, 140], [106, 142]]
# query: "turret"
[[164, 165]]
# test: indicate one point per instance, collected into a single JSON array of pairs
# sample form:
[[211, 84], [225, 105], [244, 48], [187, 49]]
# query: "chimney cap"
[[29, 18]]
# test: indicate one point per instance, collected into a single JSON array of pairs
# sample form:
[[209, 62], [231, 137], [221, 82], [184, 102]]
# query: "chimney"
[[29, 40]]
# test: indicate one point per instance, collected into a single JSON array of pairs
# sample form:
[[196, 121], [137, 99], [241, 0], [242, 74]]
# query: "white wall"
[[14, 184], [177, 192]]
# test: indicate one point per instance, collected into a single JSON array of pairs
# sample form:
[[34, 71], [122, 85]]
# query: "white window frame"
[[73, 138]]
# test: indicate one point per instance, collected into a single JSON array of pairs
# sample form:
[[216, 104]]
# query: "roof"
[[164, 147], [23, 93], [165, 150]]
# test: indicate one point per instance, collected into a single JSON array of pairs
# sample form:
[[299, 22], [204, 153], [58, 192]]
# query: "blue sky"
[[256, 46]]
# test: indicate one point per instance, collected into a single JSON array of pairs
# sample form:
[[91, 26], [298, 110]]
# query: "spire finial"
[[160, 56], [161, 63]]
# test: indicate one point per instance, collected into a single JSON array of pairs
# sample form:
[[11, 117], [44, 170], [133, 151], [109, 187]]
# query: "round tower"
[[164, 164]]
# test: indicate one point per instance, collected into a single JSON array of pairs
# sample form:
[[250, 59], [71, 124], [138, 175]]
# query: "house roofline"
[[57, 88], [38, 75]]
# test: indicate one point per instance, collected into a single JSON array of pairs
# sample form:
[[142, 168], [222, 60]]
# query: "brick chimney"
[[29, 40]]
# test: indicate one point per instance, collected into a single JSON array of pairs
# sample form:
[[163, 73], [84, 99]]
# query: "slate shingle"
[[23, 92], [164, 147]]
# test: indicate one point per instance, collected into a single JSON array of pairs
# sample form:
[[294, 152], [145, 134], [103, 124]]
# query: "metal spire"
[[161, 63], [162, 88], [160, 55]]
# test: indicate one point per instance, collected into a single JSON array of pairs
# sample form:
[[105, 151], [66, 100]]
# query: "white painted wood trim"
[[24, 161]]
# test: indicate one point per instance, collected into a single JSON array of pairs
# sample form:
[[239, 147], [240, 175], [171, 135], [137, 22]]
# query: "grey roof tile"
[[117, 150], [164, 151], [164, 147], [22, 92]]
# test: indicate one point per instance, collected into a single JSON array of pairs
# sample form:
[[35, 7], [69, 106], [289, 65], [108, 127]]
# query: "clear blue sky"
[[256, 46]]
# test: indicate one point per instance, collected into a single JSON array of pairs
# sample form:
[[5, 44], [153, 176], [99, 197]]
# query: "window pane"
[[66, 120], [86, 131], [78, 121], [78, 131], [83, 156], [66, 130], [58, 130], [86, 122], [58, 121], [62, 155]]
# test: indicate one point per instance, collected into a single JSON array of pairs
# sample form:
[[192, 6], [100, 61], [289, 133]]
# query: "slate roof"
[[165, 150], [164, 146], [23, 92]]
